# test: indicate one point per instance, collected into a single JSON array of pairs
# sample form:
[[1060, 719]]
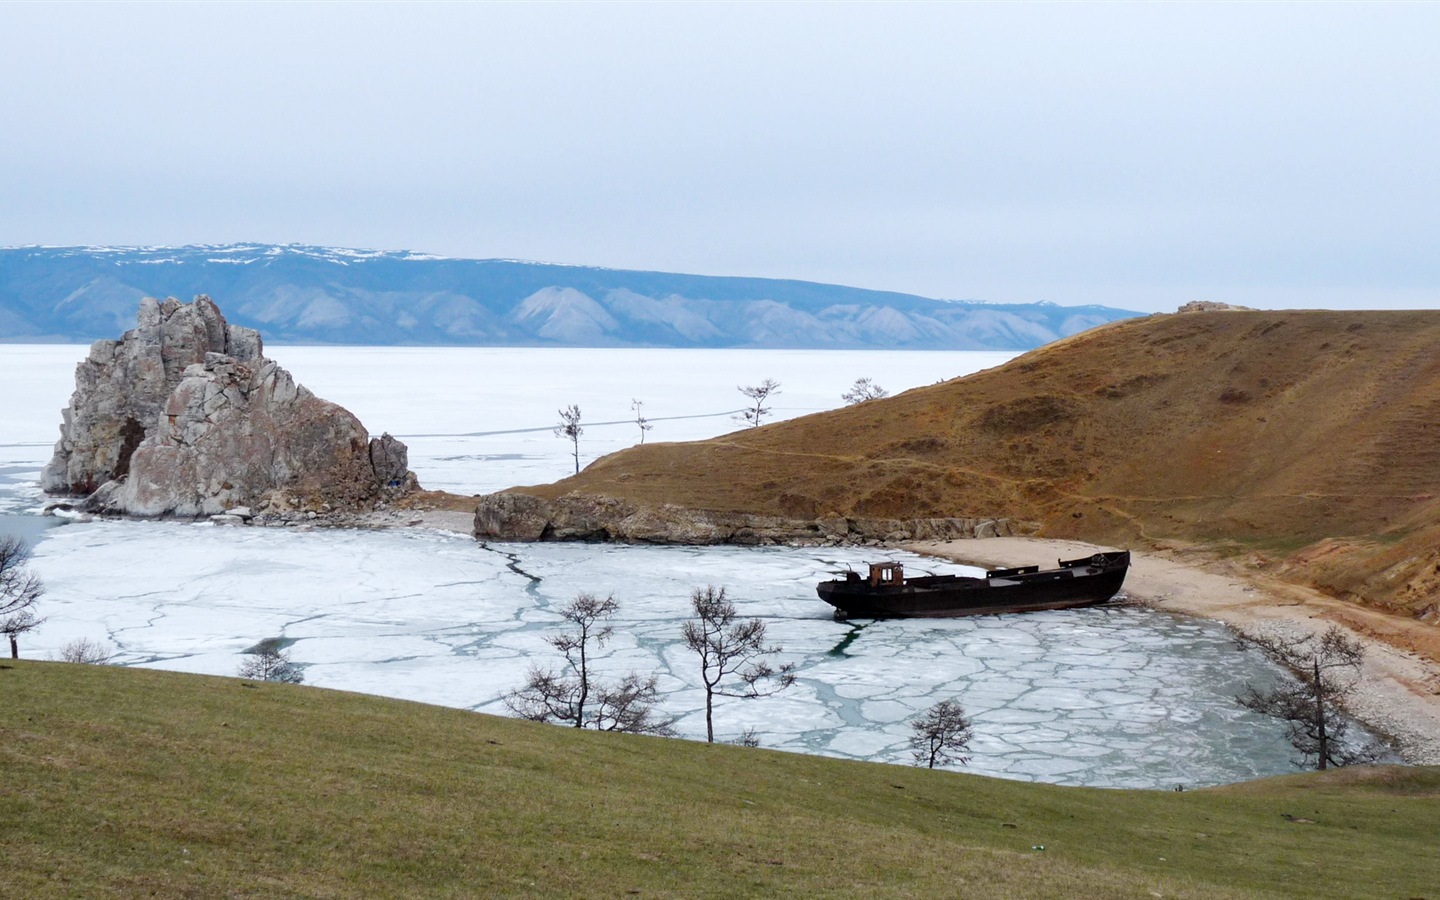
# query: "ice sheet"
[[1117, 697], [428, 616]]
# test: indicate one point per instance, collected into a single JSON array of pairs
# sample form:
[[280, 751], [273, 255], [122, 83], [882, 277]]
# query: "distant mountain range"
[[325, 295]]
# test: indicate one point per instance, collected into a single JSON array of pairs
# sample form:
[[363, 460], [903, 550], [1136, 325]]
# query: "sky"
[[1280, 155]]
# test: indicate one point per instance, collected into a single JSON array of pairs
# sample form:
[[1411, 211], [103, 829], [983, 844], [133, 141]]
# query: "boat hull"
[[1084, 582]]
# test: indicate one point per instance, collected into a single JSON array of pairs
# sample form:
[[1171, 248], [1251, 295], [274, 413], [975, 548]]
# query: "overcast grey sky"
[[1136, 155]]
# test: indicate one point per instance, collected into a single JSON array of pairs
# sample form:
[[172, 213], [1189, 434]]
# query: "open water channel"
[[1120, 696]]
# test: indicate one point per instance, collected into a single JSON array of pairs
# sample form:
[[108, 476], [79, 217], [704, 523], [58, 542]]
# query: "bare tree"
[[573, 696], [862, 390], [640, 421], [727, 647], [549, 696], [1324, 667], [758, 395], [86, 651], [19, 590], [630, 706], [268, 662], [748, 738], [941, 736], [569, 428]]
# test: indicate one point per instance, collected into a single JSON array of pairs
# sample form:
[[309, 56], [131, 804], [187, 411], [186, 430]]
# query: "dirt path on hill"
[[1399, 688]]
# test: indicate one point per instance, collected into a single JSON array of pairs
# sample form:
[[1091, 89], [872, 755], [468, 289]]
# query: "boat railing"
[[1007, 573]]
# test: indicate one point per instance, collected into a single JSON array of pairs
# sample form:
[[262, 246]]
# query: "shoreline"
[[1398, 692]]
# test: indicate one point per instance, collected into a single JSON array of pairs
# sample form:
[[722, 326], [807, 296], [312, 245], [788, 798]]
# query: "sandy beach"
[[1399, 688]]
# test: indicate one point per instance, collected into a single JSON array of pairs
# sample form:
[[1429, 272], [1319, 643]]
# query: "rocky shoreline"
[[517, 516], [383, 515], [579, 519]]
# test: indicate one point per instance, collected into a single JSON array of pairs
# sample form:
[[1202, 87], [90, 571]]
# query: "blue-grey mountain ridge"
[[320, 295]]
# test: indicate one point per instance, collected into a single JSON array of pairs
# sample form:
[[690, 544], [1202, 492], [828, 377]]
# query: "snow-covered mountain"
[[302, 294]]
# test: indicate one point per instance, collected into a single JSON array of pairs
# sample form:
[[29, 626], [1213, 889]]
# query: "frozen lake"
[[1115, 697]]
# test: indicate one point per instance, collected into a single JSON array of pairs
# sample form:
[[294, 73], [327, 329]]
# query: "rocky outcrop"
[[185, 416], [1195, 306], [510, 516], [122, 386], [390, 460]]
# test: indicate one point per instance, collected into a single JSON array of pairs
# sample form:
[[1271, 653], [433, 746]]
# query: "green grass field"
[[130, 782]]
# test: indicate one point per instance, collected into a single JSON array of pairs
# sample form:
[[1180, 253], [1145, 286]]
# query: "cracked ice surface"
[[1119, 697], [1111, 696]]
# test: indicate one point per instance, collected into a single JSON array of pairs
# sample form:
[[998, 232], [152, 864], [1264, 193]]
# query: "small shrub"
[[268, 662], [87, 652]]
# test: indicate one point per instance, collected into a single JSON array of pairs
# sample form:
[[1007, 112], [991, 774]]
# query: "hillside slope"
[[1310, 439], [141, 783], [327, 295]]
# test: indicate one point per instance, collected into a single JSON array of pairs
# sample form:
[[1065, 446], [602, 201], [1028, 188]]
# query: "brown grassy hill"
[[1311, 439]]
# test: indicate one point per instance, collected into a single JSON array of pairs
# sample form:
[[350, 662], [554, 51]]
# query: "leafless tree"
[[728, 647], [630, 706], [569, 428], [19, 590], [550, 696], [573, 696], [268, 662], [863, 389], [758, 394], [1324, 667], [748, 738], [640, 421], [86, 651], [941, 736]]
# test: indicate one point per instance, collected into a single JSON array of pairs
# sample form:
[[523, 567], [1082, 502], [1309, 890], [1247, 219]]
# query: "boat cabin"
[[887, 574]]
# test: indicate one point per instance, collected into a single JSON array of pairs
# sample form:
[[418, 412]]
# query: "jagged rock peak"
[[185, 416], [121, 387]]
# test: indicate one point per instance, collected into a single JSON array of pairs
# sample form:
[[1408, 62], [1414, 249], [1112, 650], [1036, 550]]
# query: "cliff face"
[[1309, 441], [185, 416]]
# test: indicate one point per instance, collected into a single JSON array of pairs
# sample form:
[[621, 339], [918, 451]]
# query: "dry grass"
[[1256, 432], [127, 782]]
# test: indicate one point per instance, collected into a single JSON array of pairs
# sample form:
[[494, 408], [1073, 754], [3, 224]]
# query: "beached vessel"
[[888, 594]]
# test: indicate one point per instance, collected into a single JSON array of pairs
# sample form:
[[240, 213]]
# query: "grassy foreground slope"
[[1308, 439], [129, 782]]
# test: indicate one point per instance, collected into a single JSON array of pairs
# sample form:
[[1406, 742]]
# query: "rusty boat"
[[888, 594]]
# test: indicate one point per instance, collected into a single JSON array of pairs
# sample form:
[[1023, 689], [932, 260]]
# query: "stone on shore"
[[390, 459], [185, 416]]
